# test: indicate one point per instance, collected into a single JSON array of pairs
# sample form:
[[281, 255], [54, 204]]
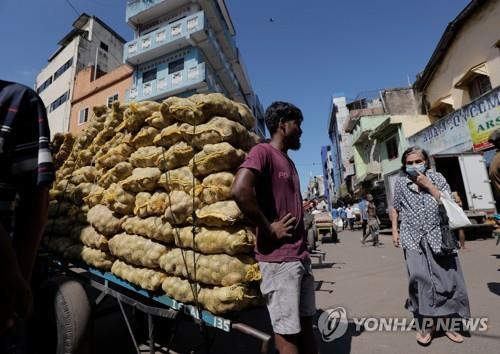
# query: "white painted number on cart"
[[221, 324]]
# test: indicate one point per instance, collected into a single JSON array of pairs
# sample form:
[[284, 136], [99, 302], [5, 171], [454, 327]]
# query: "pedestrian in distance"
[[343, 216], [267, 190], [372, 221], [25, 177], [363, 209], [350, 216], [436, 284]]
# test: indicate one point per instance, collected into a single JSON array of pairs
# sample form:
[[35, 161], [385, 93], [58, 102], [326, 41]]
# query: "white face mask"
[[413, 170]]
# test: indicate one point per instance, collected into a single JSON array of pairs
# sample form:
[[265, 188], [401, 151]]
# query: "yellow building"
[[466, 61]]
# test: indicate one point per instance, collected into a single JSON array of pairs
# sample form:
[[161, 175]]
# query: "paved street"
[[367, 282]]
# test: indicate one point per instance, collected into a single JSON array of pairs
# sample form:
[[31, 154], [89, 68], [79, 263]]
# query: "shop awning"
[[476, 70]]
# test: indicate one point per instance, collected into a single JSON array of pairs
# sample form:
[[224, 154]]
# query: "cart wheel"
[[69, 317]]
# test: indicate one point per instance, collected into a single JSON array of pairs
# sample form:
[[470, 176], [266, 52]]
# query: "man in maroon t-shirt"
[[267, 190]]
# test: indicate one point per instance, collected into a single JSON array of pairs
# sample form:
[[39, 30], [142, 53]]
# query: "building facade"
[[328, 174], [181, 47], [341, 149], [460, 83], [90, 43], [88, 93]]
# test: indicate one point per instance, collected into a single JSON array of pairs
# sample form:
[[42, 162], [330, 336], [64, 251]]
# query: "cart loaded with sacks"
[[141, 210]]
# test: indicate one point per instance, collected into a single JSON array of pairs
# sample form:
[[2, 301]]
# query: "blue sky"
[[304, 56]]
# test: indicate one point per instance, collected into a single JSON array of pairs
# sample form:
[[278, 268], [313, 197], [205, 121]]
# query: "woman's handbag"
[[456, 216], [449, 242]]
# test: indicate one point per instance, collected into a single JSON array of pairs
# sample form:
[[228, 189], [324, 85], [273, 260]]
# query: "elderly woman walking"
[[436, 283]]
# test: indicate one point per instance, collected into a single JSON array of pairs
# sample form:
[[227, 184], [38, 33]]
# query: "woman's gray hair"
[[412, 150]]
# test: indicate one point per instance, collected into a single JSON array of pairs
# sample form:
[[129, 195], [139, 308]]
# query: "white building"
[[90, 42]]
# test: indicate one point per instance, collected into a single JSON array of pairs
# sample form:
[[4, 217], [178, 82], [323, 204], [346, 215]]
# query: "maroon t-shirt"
[[278, 193]]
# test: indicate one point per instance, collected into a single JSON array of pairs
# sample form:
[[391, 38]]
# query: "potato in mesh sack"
[[104, 135], [216, 269], [180, 179], [85, 157], [60, 226], [220, 300], [145, 137], [220, 214], [141, 204], [157, 204], [104, 220], [217, 300], [182, 110], [137, 250], [155, 228], [93, 257], [181, 207], [250, 141], [216, 130], [148, 279], [229, 240], [91, 238], [62, 190], [65, 171], [95, 197], [176, 156], [64, 150], [79, 213], [82, 191], [169, 136], [180, 289], [246, 116], [216, 158], [115, 115], [159, 121], [146, 156], [116, 174], [119, 200], [84, 174], [216, 187], [215, 104], [114, 156], [58, 245], [135, 115], [142, 180]]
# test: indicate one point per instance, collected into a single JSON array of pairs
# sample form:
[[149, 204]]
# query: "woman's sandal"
[[454, 336], [424, 338]]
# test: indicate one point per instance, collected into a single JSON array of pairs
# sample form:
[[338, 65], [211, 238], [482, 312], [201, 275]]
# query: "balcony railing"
[[186, 79], [163, 40]]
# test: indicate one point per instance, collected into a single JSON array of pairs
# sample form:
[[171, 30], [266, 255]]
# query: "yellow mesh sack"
[[216, 130], [148, 279], [169, 136], [141, 204], [176, 156], [116, 174], [142, 180], [159, 121], [137, 250], [180, 179], [182, 110], [146, 156], [220, 214], [216, 187], [91, 238], [145, 137], [216, 158], [104, 220], [216, 269], [119, 200], [181, 207], [155, 228], [229, 240], [136, 114]]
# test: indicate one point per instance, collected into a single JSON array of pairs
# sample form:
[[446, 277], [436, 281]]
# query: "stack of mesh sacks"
[[149, 219]]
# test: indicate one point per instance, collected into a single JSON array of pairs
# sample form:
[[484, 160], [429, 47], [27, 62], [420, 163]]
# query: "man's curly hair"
[[281, 111]]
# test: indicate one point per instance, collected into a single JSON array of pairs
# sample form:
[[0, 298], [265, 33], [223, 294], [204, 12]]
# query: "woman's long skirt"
[[436, 284]]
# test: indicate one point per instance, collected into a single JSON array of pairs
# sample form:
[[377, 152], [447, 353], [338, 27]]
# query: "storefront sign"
[[448, 135], [484, 119]]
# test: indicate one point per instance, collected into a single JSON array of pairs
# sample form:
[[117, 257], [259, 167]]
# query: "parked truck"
[[467, 175]]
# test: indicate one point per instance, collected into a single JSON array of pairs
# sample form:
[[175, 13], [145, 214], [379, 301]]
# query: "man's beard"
[[293, 143]]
